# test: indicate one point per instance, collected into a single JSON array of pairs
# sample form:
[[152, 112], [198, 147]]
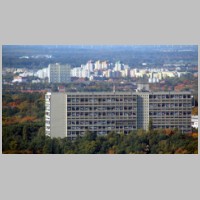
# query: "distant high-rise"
[[118, 66], [59, 73]]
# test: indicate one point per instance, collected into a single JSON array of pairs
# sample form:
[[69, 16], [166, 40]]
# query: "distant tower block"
[[59, 73]]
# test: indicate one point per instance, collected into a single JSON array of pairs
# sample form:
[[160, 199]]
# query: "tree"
[[47, 146], [25, 133], [13, 145], [90, 135], [150, 128], [195, 111]]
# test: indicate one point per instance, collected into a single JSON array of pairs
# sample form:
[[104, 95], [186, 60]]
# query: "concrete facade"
[[143, 110], [171, 110], [71, 114], [59, 73], [55, 114]]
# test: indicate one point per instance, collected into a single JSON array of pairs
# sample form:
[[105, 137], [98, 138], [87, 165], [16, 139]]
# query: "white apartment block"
[[80, 72], [43, 73], [59, 73], [89, 66]]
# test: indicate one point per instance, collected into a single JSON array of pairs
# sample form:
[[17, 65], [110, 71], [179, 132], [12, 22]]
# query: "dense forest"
[[30, 138], [23, 132]]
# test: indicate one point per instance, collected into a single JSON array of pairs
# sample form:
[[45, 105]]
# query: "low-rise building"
[[194, 121], [19, 79]]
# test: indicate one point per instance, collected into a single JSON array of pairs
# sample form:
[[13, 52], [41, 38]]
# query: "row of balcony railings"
[[108, 100], [100, 108], [171, 122], [101, 131], [170, 96], [172, 127], [169, 113], [170, 105], [99, 127], [100, 114], [75, 133], [100, 123], [97, 102]]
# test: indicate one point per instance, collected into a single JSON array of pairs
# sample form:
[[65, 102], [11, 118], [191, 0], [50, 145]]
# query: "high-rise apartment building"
[[59, 73], [71, 114]]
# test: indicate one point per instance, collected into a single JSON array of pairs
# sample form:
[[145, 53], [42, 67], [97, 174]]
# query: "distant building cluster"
[[54, 73], [109, 70], [59, 73]]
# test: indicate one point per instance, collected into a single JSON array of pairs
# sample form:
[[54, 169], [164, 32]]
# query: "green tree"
[[47, 149], [90, 135], [150, 128], [13, 145], [25, 133]]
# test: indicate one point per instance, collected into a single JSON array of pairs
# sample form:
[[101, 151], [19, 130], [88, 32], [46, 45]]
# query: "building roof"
[[124, 93]]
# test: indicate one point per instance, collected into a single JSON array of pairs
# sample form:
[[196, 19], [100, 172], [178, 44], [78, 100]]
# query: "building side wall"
[[65, 74], [143, 110], [54, 73], [58, 115], [48, 114]]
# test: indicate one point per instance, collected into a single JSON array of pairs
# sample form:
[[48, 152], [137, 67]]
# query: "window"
[[159, 97], [176, 96]]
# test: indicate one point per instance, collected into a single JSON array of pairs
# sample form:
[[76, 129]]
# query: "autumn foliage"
[[22, 108], [168, 131]]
